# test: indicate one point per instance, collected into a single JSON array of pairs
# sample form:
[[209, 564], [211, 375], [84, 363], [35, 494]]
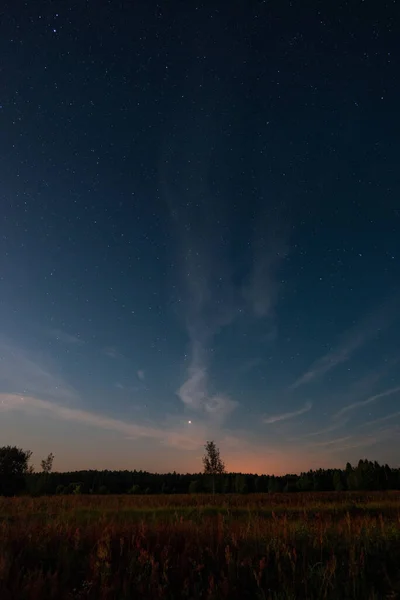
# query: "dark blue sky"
[[199, 234]]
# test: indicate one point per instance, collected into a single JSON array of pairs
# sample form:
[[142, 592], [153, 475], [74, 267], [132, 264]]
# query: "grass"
[[296, 546]]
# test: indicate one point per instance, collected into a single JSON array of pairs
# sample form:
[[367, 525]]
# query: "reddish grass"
[[171, 547]]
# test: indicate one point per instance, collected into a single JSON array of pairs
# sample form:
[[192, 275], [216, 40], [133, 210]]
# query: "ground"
[[261, 546]]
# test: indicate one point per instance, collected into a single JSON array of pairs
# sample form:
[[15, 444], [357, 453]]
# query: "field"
[[297, 546]]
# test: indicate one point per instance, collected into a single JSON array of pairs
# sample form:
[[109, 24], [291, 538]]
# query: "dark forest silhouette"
[[16, 477]]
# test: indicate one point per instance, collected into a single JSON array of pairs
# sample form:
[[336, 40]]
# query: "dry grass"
[[333, 546]]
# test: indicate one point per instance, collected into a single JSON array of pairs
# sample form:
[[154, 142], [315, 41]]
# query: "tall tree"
[[13, 469], [212, 462], [47, 463]]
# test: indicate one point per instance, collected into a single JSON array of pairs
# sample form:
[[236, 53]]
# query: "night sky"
[[200, 232]]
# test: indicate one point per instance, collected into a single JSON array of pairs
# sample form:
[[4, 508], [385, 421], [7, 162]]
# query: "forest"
[[16, 477], [366, 475]]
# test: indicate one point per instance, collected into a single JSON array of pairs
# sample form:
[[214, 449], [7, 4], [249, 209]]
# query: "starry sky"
[[199, 233]]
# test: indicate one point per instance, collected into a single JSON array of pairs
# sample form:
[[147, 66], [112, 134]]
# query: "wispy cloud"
[[140, 374], [269, 250], [175, 434], [21, 375], [210, 299], [112, 352], [32, 404], [350, 343], [139, 387], [32, 388], [195, 394], [65, 337], [346, 443], [351, 441], [213, 292], [249, 365], [288, 415], [334, 441], [370, 400], [213, 302], [390, 417], [325, 430]]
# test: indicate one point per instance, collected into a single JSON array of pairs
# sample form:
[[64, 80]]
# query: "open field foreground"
[[298, 546]]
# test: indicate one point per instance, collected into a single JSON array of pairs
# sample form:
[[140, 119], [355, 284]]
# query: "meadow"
[[261, 546]]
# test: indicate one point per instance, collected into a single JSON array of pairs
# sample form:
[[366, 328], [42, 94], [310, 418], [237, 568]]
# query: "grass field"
[[297, 546]]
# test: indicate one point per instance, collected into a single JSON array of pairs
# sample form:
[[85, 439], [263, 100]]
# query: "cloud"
[[357, 389], [189, 438], [288, 415], [195, 395], [210, 301], [240, 452], [112, 352], [140, 374], [325, 429], [390, 417], [66, 338], [32, 388], [249, 365], [346, 443], [332, 442], [212, 291], [130, 388], [21, 375], [261, 290], [176, 434], [31, 404], [349, 442], [369, 400], [214, 301], [350, 343]]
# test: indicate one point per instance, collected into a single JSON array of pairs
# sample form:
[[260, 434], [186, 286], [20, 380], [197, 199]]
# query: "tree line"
[[17, 477]]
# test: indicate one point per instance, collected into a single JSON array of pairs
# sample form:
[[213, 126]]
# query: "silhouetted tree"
[[13, 469], [212, 462], [47, 463]]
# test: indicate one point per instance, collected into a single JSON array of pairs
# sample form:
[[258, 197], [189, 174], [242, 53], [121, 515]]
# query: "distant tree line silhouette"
[[17, 477]]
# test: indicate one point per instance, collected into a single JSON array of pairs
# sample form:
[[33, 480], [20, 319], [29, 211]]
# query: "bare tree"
[[212, 462], [47, 463]]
